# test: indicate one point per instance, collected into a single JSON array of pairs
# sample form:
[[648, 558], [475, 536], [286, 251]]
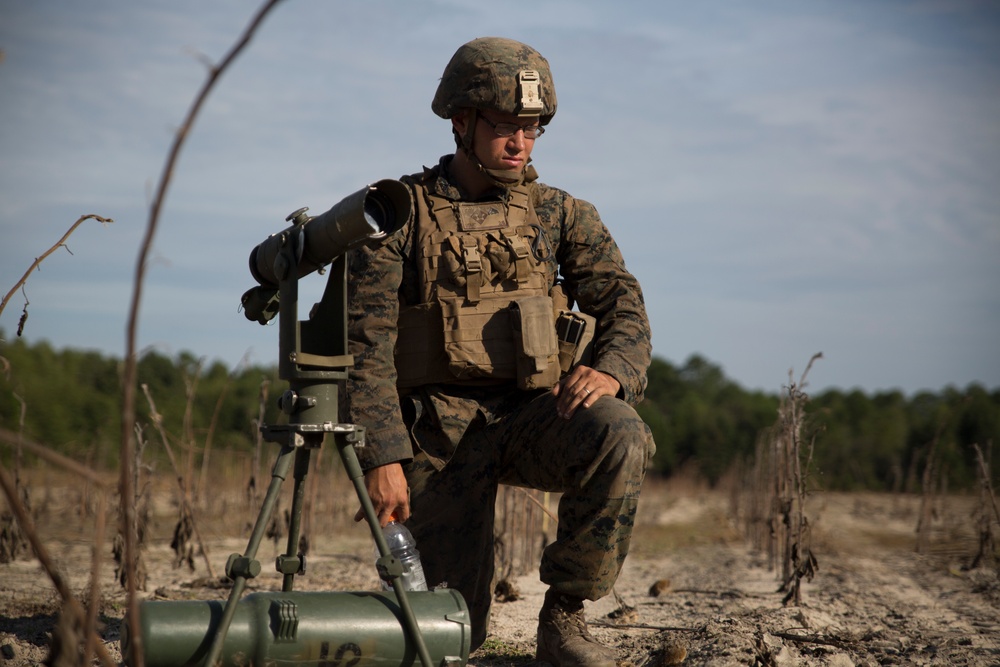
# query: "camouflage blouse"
[[384, 277]]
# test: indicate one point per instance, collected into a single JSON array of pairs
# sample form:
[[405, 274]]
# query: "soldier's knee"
[[627, 441]]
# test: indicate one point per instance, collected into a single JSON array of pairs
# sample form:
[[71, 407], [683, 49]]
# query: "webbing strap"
[[473, 268], [519, 248]]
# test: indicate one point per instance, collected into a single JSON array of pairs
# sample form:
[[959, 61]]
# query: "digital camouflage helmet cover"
[[494, 73]]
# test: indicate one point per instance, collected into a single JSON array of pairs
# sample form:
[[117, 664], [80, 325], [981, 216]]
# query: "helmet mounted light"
[[529, 92]]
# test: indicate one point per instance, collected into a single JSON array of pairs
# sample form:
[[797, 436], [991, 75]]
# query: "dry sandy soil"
[[873, 600]]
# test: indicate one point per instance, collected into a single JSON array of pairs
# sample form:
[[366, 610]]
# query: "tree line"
[[702, 421], [855, 441]]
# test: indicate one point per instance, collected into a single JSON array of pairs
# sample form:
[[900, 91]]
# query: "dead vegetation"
[[770, 503], [692, 580]]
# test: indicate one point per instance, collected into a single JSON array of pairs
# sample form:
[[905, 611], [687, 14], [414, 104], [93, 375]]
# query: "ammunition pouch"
[[535, 346], [477, 339]]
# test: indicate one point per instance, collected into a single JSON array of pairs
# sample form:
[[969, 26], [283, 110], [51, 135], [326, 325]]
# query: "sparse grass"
[[493, 649]]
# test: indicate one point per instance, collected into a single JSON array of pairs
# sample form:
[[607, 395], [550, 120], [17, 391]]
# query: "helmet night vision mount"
[[366, 628]]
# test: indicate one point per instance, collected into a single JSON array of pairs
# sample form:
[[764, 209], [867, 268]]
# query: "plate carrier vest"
[[487, 313]]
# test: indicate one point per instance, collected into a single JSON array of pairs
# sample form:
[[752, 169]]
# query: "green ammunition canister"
[[306, 629]]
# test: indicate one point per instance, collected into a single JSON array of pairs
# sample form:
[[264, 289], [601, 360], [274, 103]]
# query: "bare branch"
[[537, 502], [802, 379], [130, 371], [43, 452], [61, 243]]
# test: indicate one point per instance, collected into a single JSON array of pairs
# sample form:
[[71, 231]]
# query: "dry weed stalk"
[[13, 542], [798, 561], [131, 569], [212, 424], [61, 243], [187, 422], [757, 500], [775, 517], [71, 606], [985, 518], [95, 578], [928, 495], [18, 535], [253, 493], [12, 538], [186, 524], [130, 368], [54, 458], [520, 536]]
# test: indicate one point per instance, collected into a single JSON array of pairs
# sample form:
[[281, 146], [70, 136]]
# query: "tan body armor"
[[487, 312]]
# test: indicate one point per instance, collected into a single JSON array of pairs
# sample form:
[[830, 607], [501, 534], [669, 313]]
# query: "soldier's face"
[[504, 153]]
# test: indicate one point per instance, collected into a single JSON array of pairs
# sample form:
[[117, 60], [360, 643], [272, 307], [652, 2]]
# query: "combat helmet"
[[495, 73]]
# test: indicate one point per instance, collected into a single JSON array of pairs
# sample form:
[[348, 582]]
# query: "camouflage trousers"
[[597, 460]]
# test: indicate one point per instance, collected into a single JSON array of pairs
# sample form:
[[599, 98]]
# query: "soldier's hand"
[[389, 493], [581, 388]]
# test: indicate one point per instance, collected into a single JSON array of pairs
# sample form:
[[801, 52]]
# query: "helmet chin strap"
[[502, 178]]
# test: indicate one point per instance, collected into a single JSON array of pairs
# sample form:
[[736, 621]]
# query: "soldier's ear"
[[460, 122]]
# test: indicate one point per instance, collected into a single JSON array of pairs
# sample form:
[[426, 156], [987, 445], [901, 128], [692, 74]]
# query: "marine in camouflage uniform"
[[448, 416]]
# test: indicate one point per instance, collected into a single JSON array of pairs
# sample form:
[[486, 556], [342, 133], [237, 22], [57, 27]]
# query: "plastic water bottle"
[[404, 548]]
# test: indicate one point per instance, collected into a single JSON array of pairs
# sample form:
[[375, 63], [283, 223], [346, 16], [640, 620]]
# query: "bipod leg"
[[345, 445], [293, 562], [241, 568]]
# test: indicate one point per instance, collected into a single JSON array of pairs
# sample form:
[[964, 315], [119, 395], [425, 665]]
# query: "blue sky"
[[783, 177]]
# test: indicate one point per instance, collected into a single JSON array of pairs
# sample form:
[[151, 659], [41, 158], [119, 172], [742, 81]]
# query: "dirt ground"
[[873, 600]]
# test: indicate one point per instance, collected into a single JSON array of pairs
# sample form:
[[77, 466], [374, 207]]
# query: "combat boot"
[[563, 638]]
